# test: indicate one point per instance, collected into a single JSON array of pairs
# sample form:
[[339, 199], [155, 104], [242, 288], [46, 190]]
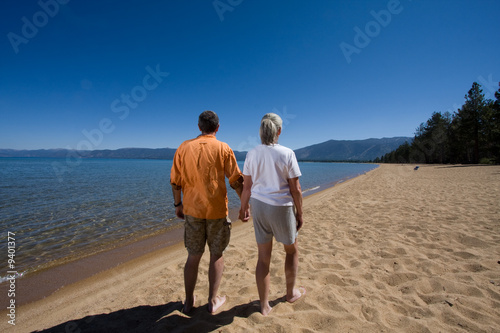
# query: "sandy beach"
[[394, 250]]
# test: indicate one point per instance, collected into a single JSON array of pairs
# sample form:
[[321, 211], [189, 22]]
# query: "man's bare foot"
[[297, 293], [265, 309], [188, 306], [215, 304]]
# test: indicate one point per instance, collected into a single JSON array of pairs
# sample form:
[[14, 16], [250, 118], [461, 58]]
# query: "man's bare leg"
[[291, 269], [190, 278], [262, 276], [214, 278]]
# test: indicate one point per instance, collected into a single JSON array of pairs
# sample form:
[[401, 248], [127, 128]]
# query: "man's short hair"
[[208, 121]]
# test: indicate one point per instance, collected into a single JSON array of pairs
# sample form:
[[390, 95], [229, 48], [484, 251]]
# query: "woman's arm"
[[245, 198], [296, 192]]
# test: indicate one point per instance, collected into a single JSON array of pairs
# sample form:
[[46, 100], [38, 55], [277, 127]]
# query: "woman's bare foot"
[[214, 305], [265, 309], [297, 293]]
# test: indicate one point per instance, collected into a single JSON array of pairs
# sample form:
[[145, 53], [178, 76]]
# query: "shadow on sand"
[[160, 318]]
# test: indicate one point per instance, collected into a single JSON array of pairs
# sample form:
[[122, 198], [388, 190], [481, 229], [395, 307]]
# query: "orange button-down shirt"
[[200, 166]]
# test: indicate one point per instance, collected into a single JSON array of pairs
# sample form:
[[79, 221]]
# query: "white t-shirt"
[[270, 168]]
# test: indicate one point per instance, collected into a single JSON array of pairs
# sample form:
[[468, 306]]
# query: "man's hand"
[[179, 212]]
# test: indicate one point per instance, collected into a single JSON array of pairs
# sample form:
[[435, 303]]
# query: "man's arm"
[[232, 171], [177, 192], [296, 192], [238, 186]]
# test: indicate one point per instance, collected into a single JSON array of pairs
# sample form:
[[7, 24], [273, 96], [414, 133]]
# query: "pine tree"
[[431, 143], [495, 127], [470, 120], [471, 133]]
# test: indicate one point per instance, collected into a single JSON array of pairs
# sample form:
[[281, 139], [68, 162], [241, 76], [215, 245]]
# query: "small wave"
[[9, 277], [311, 189]]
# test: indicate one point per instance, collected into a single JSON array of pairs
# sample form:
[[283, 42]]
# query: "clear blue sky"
[[341, 70]]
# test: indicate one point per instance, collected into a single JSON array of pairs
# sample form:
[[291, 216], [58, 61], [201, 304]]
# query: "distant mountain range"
[[350, 150], [137, 153], [333, 150]]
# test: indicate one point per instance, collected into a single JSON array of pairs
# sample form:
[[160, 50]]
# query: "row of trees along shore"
[[471, 135]]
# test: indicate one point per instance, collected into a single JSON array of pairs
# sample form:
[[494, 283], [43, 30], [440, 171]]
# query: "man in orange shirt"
[[198, 176]]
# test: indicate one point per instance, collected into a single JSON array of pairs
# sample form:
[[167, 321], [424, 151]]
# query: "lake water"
[[97, 204]]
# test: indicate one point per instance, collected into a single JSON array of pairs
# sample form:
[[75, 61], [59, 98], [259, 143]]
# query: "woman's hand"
[[244, 215], [299, 220]]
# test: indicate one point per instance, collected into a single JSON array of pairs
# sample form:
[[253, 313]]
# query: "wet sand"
[[395, 250]]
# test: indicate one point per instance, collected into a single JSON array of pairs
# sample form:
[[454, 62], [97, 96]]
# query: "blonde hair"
[[269, 127]]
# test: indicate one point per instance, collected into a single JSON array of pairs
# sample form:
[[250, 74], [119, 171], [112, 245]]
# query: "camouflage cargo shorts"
[[198, 232]]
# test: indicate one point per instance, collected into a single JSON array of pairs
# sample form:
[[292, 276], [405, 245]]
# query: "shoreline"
[[391, 250], [43, 283], [75, 223], [40, 284]]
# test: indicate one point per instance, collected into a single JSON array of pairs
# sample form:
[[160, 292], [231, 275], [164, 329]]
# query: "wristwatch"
[[177, 205]]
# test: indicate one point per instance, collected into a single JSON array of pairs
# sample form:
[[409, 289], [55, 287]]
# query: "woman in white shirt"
[[271, 187]]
